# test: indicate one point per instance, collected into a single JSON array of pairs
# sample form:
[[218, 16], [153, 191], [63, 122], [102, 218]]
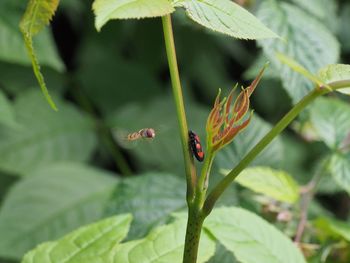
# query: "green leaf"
[[301, 32], [324, 10], [88, 244], [164, 244], [7, 115], [222, 255], [331, 120], [276, 184], [299, 68], [13, 50], [336, 72], [316, 7], [339, 168], [38, 14], [49, 203], [106, 10], [250, 238], [151, 198], [229, 156], [36, 68], [333, 227], [45, 136], [226, 17]]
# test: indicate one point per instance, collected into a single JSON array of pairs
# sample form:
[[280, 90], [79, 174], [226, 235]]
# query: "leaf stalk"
[[266, 140]]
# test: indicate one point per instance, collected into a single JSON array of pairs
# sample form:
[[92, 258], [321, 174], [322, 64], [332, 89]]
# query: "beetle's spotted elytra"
[[196, 146]]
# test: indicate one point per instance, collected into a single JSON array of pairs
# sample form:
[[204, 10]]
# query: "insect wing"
[[120, 136], [131, 139]]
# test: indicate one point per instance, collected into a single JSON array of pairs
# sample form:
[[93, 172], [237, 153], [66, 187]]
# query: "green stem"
[[193, 234], [180, 108], [276, 130], [202, 185]]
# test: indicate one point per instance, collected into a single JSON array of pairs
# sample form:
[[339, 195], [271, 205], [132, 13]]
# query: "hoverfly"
[[146, 133], [131, 139]]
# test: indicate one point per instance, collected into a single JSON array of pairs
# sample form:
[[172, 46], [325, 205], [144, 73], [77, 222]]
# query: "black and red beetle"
[[196, 146]]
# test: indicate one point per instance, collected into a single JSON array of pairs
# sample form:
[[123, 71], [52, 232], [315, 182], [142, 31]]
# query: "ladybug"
[[196, 146]]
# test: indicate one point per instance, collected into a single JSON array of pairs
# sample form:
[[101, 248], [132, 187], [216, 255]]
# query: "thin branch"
[[180, 108], [266, 140], [307, 194]]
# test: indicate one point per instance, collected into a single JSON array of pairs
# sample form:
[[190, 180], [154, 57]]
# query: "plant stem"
[[276, 130], [193, 234], [180, 108], [306, 196], [202, 185], [305, 202]]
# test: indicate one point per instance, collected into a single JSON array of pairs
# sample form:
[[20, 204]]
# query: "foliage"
[[42, 137], [226, 17], [38, 14], [165, 243], [299, 35], [276, 184], [110, 9], [152, 197], [49, 202], [88, 244], [64, 191], [254, 239]]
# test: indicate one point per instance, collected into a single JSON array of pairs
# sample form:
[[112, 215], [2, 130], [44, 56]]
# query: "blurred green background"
[[61, 170]]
